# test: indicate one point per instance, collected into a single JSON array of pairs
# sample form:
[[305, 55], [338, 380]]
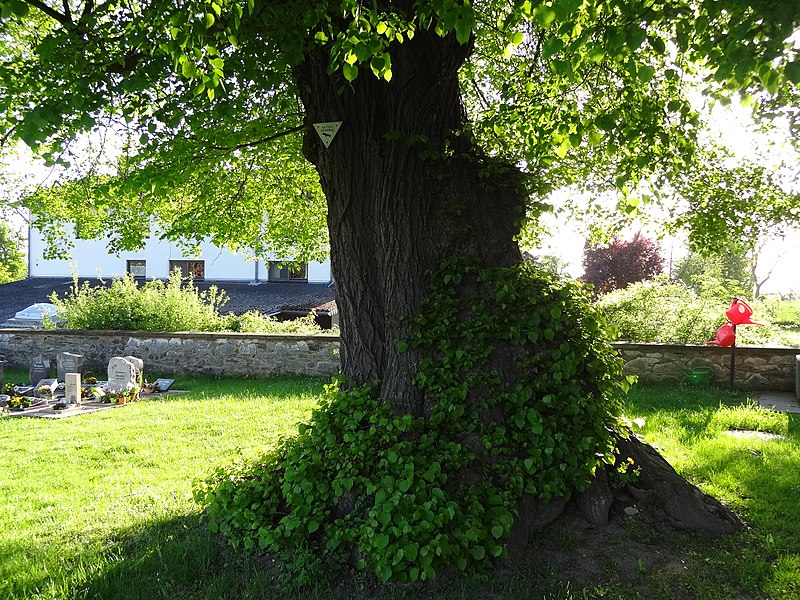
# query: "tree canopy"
[[204, 101]]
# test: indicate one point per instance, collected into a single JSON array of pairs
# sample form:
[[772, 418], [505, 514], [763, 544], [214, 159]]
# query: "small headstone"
[[121, 374], [138, 363], [72, 388], [39, 370], [67, 362]]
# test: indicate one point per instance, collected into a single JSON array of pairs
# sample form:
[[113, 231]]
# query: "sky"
[[735, 128]]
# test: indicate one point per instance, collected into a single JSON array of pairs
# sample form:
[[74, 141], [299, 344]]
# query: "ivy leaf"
[[380, 541]]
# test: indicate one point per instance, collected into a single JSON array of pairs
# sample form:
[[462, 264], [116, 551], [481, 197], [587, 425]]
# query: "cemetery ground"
[[100, 505]]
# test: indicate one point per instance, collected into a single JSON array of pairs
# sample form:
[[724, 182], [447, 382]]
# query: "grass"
[[99, 506], [758, 478], [788, 312]]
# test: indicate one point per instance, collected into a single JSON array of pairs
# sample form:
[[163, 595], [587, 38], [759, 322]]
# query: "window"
[[137, 268], [288, 271], [196, 269]]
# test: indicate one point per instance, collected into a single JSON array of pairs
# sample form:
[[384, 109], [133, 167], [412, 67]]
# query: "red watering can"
[[726, 336], [740, 312]]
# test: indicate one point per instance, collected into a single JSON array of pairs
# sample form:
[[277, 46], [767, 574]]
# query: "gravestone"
[[72, 388], [67, 362], [138, 364], [121, 374], [39, 370]]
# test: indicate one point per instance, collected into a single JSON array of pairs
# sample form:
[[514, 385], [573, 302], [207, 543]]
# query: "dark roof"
[[269, 298]]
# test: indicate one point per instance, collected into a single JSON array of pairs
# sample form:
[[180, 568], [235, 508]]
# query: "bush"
[[174, 305], [412, 496], [661, 311], [621, 263]]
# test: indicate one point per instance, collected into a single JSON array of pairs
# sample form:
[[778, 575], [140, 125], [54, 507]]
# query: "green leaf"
[[792, 71], [188, 69], [313, 526], [561, 150], [381, 28], [380, 541], [463, 31], [209, 20], [645, 73], [544, 15], [498, 531], [479, 552], [350, 72]]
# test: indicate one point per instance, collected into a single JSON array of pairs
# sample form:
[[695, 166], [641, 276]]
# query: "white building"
[[90, 258]]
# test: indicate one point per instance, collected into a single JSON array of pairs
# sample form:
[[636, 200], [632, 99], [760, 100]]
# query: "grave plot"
[[66, 395]]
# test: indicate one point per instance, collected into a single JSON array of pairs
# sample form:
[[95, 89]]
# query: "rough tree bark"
[[404, 191], [407, 188]]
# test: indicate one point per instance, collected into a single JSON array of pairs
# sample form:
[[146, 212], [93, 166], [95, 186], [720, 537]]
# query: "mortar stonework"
[[262, 355]]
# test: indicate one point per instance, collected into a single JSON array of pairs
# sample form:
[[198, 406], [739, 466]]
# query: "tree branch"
[[254, 143], [49, 11]]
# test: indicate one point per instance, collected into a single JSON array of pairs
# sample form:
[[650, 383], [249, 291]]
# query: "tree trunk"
[[405, 188]]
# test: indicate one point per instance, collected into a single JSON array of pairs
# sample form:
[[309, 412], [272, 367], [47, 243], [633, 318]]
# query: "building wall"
[[260, 355], [90, 258]]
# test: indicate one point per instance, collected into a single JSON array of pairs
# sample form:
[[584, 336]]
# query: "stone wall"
[[168, 353], [259, 355], [756, 368]]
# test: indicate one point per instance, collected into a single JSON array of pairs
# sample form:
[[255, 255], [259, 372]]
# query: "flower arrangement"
[[129, 394]]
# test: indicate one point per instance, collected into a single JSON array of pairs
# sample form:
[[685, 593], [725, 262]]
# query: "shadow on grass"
[[180, 559], [277, 387]]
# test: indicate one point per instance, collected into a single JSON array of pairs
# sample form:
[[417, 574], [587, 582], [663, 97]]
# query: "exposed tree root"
[[679, 504]]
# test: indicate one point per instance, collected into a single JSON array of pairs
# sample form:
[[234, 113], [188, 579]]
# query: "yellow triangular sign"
[[327, 131]]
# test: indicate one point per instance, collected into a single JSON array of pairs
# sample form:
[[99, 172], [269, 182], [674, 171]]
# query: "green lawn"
[[100, 506], [789, 312]]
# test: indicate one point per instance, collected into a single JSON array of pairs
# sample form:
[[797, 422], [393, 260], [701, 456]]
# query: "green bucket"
[[700, 376]]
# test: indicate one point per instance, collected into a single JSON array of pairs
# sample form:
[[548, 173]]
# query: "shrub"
[[411, 496], [621, 263], [174, 305], [664, 312]]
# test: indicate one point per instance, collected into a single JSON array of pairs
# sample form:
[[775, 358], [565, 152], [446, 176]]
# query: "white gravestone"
[[121, 374], [138, 364], [72, 388]]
